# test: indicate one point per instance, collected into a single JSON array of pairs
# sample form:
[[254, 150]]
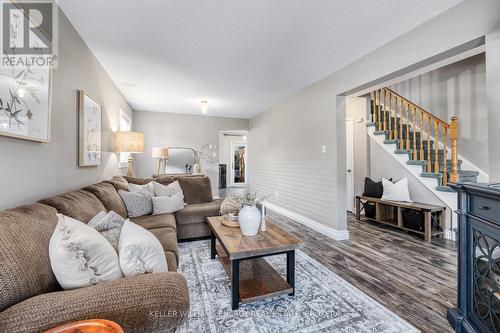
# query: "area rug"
[[323, 301]]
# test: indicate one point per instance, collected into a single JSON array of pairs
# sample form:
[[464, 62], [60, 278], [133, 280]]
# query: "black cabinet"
[[478, 305]]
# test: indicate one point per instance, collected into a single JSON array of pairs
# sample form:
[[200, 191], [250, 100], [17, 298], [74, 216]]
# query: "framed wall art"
[[90, 130], [25, 103]]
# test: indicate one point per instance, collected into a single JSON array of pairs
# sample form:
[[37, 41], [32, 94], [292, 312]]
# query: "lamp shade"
[[129, 142], [160, 152]]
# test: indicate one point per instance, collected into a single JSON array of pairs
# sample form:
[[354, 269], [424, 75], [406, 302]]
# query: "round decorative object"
[[230, 223], [249, 218]]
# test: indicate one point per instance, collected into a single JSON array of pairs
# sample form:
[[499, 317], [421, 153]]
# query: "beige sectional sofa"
[[31, 299]]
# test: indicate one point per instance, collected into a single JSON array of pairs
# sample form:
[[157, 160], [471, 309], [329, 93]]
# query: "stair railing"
[[416, 118]]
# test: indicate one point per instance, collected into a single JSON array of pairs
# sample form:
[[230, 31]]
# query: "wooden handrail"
[[417, 117], [417, 106]]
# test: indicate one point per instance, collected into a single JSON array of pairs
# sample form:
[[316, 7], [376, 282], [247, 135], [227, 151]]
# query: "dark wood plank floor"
[[414, 279]]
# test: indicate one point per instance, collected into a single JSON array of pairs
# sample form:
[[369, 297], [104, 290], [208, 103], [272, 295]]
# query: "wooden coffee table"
[[252, 277]]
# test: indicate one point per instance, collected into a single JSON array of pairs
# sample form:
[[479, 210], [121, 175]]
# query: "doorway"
[[238, 171], [349, 164]]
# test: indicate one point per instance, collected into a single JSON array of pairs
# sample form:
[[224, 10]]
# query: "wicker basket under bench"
[[391, 213]]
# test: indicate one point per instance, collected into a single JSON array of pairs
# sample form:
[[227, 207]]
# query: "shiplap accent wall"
[[285, 140]]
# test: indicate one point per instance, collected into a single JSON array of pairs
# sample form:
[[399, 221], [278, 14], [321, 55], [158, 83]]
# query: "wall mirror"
[[180, 160]]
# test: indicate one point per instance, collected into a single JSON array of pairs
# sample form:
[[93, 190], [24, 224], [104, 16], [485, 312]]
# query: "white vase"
[[249, 218], [196, 168]]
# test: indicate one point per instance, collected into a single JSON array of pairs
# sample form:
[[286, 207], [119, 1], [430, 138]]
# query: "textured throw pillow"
[[109, 225], [80, 256], [138, 188], [140, 251], [138, 203], [167, 190], [396, 191], [168, 204]]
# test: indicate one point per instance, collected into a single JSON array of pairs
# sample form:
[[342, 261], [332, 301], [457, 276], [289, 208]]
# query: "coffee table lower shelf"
[[257, 279]]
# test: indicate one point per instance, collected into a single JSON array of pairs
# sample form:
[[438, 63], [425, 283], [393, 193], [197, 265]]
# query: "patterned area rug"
[[323, 302]]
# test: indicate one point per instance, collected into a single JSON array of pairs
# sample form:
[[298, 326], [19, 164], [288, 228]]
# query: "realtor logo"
[[29, 33]]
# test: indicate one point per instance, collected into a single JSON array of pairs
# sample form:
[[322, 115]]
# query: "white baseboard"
[[327, 231]]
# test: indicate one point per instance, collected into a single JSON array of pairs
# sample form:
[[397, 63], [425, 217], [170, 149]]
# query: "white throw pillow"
[[396, 191], [138, 188], [140, 251], [168, 204], [80, 256], [109, 225], [167, 190]]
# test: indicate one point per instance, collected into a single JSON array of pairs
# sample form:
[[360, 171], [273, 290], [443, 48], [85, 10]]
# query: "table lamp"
[[161, 153], [129, 142]]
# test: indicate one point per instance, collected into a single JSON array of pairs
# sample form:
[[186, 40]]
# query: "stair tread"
[[444, 189]]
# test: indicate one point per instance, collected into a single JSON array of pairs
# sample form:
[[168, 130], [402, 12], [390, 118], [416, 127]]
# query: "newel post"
[[454, 149]]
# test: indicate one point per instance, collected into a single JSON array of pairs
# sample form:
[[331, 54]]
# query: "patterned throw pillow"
[[109, 225], [80, 256], [140, 251], [138, 203]]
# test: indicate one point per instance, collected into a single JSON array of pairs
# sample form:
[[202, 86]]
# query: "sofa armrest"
[[143, 303]]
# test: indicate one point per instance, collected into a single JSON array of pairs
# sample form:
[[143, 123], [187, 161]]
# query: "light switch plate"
[[323, 149]]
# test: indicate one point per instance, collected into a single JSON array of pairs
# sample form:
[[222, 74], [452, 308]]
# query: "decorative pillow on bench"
[[396, 191], [373, 189]]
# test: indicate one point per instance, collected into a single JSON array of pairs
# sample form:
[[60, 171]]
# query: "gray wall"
[[458, 90], [285, 139], [180, 130], [31, 171]]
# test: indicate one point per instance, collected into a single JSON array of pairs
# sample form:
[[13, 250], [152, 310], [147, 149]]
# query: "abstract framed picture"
[[90, 130], [25, 103]]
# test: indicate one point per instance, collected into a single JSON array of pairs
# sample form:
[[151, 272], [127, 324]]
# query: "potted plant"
[[249, 216]]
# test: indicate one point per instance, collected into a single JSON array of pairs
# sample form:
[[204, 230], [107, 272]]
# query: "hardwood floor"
[[414, 279]]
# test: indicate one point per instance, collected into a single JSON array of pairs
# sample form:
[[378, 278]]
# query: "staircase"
[[416, 133]]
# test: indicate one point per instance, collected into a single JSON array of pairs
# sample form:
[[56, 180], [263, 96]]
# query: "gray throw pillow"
[[138, 203], [109, 225]]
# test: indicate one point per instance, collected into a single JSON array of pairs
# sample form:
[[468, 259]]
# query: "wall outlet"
[[214, 155], [323, 149], [276, 193]]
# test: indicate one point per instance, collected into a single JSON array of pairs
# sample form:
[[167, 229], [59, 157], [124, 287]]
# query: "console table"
[[391, 213], [478, 289]]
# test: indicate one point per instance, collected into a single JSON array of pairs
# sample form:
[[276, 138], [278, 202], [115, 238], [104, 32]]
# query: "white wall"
[[458, 90], [285, 140], [31, 171], [163, 129]]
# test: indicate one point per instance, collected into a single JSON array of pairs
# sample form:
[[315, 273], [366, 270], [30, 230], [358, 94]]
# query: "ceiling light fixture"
[[204, 106]]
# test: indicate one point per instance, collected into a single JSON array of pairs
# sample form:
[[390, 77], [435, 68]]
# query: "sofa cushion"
[[198, 213], [24, 253], [130, 302], [118, 182], [196, 188], [109, 197], [155, 221], [80, 205]]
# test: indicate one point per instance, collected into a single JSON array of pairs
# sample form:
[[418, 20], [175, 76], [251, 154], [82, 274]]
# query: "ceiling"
[[242, 56]]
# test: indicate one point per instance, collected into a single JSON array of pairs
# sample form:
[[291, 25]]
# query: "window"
[[125, 125]]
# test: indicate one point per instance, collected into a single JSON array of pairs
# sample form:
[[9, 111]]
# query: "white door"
[[349, 164], [238, 171]]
